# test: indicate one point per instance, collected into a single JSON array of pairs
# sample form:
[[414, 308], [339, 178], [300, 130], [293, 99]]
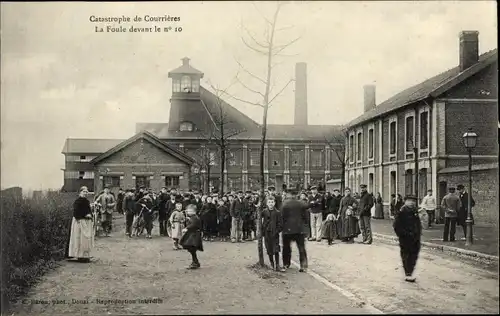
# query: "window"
[[316, 158], [71, 174], [253, 183], [370, 182], [195, 85], [351, 148], [176, 85], [186, 127], [409, 133], [172, 181], [393, 182], [409, 181], [424, 130], [360, 144], [141, 181], [234, 183], [422, 182], [213, 158], [296, 158], [254, 157], [275, 158], [82, 157], [186, 84], [234, 158], [112, 181], [88, 175], [392, 138], [81, 174], [370, 144]]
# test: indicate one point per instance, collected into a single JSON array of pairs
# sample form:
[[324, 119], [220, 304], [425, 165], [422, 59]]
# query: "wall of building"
[[484, 191]]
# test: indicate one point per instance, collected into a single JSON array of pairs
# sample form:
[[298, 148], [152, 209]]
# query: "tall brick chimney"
[[469, 49], [300, 94], [369, 98]]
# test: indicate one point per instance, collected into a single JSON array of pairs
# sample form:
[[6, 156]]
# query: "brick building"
[[429, 120], [297, 154]]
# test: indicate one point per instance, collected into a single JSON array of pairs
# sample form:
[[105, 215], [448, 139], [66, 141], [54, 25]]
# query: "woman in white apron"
[[81, 241]]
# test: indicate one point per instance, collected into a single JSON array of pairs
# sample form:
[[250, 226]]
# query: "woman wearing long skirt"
[[349, 228], [82, 232], [379, 207]]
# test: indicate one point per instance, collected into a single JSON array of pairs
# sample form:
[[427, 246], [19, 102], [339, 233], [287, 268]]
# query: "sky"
[[62, 79]]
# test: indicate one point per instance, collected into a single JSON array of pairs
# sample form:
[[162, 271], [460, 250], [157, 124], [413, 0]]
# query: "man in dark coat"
[[334, 207], [191, 239], [129, 210], [162, 211], [408, 228], [316, 205], [295, 221], [119, 201], [462, 213], [236, 210], [365, 206], [451, 204], [271, 228]]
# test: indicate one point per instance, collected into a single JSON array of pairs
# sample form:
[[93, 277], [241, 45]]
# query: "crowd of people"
[[189, 218]]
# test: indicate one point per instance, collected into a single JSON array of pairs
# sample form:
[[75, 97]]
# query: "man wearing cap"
[[162, 211], [429, 205], [236, 212], [408, 228], [451, 204], [462, 213], [365, 205], [129, 210], [247, 216], [108, 202], [316, 204], [119, 201]]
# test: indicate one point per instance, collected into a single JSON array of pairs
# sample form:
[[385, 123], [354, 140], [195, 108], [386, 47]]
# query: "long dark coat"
[[192, 238], [329, 230], [348, 224], [224, 221], [209, 218], [272, 225]]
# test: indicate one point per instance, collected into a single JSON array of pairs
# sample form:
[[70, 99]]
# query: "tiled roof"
[[429, 88], [186, 68], [89, 145], [150, 138]]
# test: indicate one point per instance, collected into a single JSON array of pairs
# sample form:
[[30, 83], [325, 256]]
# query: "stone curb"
[[443, 248]]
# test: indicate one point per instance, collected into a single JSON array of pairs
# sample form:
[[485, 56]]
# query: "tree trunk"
[[207, 179], [222, 167]]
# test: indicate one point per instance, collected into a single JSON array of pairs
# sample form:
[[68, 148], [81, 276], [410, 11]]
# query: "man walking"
[[365, 206], [429, 205], [316, 204], [451, 205], [129, 210], [408, 228], [294, 217], [462, 213]]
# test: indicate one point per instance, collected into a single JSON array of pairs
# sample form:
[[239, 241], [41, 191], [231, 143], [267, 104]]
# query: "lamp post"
[[470, 140]]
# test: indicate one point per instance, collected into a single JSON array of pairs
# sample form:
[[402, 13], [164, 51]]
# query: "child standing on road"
[[329, 230], [177, 220], [191, 239], [271, 228]]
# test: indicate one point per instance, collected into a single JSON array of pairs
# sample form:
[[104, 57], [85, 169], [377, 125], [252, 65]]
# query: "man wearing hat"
[[247, 216], [451, 204], [129, 210], [408, 228], [462, 213], [316, 205], [365, 205], [108, 202], [236, 212]]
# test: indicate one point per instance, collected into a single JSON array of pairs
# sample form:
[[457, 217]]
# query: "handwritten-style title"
[[118, 24]]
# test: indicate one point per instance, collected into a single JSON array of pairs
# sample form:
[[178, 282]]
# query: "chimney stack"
[[300, 94], [469, 49], [370, 101], [185, 61]]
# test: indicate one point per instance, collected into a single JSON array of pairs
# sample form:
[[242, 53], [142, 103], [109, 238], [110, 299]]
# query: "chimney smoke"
[[369, 97], [300, 94]]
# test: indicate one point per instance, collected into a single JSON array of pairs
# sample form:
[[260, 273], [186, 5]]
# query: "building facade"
[[419, 130], [294, 155]]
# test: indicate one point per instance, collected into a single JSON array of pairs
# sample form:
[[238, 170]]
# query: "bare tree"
[[224, 131], [268, 48], [205, 158], [338, 145]]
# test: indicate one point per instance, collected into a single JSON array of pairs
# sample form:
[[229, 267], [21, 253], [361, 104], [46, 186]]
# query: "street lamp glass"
[[470, 139]]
